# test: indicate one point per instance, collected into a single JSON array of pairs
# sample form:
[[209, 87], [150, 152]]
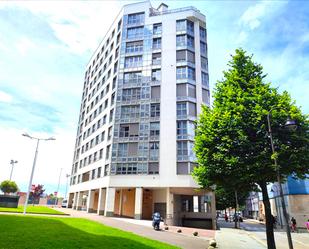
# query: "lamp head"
[[290, 124], [26, 135], [51, 138]]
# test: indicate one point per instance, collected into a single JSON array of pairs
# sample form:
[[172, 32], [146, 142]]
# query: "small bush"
[[195, 233], [165, 228], [179, 231], [8, 187]]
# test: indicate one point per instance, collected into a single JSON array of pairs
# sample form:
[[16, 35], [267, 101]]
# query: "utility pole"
[[12, 162], [66, 185]]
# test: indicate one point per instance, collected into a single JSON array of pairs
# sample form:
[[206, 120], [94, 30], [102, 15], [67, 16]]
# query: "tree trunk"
[[269, 221]]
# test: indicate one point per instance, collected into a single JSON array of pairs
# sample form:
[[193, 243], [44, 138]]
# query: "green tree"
[[36, 193], [8, 187], [232, 142]]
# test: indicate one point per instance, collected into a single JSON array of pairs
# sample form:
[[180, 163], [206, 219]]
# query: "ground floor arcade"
[[178, 206]]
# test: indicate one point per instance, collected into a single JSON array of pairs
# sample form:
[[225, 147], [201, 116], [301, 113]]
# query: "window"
[[122, 150], [156, 43], [203, 48], [107, 152], [99, 172], [191, 73], [101, 154], [190, 27], [182, 150], [182, 168], [135, 32], [132, 77], [106, 170], [136, 18], [111, 115], [155, 92], [205, 96], [153, 168], [185, 55], [180, 40], [190, 41], [155, 110], [181, 110], [180, 25], [156, 59], [133, 47], [185, 73], [155, 129], [109, 133], [157, 29], [205, 80], [204, 64], [124, 131], [133, 61], [156, 75], [130, 111], [202, 33], [154, 151], [131, 94], [181, 128]]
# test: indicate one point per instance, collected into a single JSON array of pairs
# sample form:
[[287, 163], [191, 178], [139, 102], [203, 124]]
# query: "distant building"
[[143, 89], [296, 196], [252, 206]]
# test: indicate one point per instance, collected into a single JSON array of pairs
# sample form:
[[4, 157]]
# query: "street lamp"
[[33, 166], [12, 162], [291, 125], [58, 186], [66, 185]]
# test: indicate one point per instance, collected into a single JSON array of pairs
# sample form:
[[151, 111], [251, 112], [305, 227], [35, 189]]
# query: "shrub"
[[179, 231], [8, 187], [195, 233]]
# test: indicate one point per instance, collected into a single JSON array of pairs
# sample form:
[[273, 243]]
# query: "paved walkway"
[[253, 235], [142, 228]]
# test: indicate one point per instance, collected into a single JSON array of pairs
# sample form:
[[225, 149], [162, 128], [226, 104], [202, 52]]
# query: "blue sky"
[[44, 47]]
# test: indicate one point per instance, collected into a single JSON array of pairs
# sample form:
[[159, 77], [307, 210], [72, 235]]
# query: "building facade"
[[296, 199], [143, 88]]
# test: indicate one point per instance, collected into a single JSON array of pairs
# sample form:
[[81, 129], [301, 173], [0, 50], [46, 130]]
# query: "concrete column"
[[120, 203], [90, 200], [79, 200], [110, 202], [138, 203], [74, 201], [71, 197], [101, 201], [169, 207]]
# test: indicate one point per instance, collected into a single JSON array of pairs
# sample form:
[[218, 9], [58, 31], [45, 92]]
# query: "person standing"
[[293, 223]]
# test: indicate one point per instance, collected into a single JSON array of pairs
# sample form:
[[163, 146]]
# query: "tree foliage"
[[37, 192], [8, 187], [232, 142]]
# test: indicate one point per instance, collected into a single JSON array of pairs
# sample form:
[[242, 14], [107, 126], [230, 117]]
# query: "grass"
[[56, 232], [32, 209]]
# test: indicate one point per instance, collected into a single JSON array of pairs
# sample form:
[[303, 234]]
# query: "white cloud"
[[251, 17], [76, 23], [24, 45], [4, 97]]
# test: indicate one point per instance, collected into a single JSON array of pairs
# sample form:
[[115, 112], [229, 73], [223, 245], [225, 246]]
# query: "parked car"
[[64, 203]]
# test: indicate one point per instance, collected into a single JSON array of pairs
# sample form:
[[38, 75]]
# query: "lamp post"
[[34, 162], [58, 187], [66, 185], [12, 162], [292, 125]]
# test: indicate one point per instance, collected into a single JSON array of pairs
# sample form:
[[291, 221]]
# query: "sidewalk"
[[228, 238], [142, 228]]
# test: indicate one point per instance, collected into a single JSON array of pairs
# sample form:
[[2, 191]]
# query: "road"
[[254, 234]]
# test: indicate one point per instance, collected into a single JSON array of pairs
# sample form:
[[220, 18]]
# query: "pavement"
[[253, 235], [143, 228]]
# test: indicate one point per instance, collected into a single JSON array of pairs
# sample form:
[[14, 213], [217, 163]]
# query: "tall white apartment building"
[[143, 89]]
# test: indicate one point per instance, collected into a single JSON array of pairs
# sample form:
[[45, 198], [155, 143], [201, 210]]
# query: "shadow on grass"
[[37, 232]]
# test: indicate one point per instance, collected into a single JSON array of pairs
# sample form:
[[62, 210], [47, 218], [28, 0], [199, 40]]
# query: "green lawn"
[[53, 232], [31, 209]]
